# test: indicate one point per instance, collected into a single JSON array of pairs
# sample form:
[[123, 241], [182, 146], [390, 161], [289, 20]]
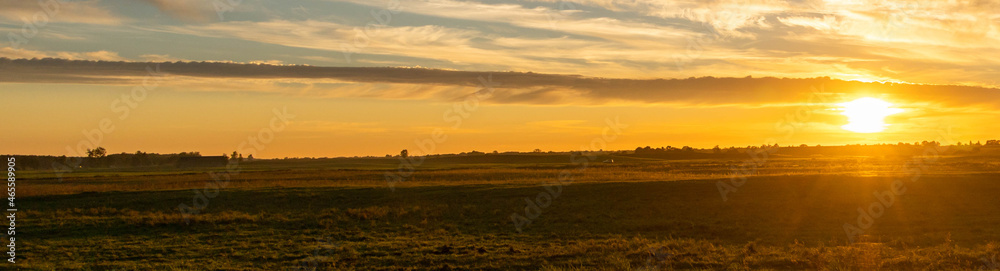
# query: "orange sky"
[[171, 119]]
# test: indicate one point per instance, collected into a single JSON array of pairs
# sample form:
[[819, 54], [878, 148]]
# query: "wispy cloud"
[[87, 12], [189, 10]]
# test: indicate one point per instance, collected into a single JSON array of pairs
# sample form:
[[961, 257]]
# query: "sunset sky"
[[590, 61]]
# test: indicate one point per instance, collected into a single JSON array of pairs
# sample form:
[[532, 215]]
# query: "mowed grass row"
[[942, 221], [280, 174]]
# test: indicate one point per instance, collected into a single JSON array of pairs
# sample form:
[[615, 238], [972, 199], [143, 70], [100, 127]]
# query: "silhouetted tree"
[[404, 153], [97, 153], [189, 154]]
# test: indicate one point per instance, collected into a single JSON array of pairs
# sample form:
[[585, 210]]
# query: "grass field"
[[634, 214]]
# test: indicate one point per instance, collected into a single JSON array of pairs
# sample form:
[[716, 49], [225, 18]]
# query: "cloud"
[[934, 42], [160, 58], [825, 23], [463, 47], [851, 40], [44, 11], [187, 10], [13, 53], [570, 21], [729, 18], [510, 88]]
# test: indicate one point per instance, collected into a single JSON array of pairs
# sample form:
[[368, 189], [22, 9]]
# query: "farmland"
[[532, 212]]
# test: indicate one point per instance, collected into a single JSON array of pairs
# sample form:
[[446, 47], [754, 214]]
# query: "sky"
[[352, 77]]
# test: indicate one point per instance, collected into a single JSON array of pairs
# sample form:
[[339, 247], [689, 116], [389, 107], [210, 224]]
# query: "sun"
[[867, 115]]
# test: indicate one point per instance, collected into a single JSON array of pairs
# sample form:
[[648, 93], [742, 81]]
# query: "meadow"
[[539, 212]]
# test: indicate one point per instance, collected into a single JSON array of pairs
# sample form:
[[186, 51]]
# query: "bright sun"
[[867, 115]]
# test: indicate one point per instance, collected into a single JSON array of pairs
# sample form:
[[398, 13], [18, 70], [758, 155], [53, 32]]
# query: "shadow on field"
[[433, 224]]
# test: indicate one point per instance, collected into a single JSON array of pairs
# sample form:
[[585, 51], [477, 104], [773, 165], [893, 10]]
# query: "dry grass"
[[593, 173]]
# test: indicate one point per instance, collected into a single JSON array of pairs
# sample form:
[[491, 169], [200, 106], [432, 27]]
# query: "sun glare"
[[867, 115]]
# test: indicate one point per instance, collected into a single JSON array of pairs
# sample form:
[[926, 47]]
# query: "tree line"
[[99, 158]]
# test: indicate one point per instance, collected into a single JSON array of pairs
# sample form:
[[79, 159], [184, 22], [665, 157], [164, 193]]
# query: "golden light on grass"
[[867, 115]]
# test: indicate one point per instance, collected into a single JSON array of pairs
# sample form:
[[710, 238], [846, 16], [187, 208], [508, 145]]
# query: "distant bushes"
[[897, 149]]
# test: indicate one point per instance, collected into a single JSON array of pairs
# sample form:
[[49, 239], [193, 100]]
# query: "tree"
[[250, 157], [404, 153], [716, 150], [97, 153], [140, 158], [235, 154]]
